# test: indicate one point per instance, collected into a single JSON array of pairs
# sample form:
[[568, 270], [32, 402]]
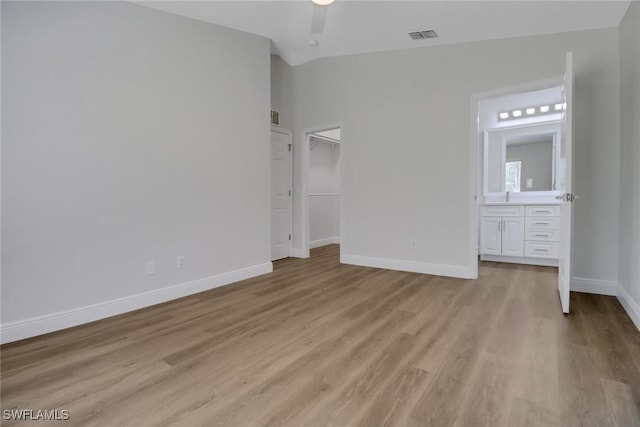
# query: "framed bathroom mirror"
[[521, 162]]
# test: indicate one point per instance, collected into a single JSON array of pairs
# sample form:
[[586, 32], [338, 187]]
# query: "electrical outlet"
[[151, 268], [180, 262], [414, 244]]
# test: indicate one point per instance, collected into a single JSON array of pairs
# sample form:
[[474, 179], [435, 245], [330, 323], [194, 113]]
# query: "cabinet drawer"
[[541, 249], [541, 222], [502, 210], [547, 235], [543, 210]]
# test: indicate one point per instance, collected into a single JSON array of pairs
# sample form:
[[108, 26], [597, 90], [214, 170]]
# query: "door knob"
[[567, 197]]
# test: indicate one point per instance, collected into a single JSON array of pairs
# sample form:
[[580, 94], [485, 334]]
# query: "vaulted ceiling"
[[359, 26]]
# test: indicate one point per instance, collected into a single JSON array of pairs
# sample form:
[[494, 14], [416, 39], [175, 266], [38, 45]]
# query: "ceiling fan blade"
[[318, 18]]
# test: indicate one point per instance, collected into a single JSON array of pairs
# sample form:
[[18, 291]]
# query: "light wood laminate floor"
[[317, 343]]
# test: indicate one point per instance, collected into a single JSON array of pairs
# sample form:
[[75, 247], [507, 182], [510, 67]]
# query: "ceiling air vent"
[[421, 35]]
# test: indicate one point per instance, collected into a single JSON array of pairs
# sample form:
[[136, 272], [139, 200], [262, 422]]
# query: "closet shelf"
[[324, 194], [315, 139]]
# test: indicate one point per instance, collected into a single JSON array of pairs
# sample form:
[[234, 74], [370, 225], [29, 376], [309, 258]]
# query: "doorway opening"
[[519, 146], [322, 188], [522, 145]]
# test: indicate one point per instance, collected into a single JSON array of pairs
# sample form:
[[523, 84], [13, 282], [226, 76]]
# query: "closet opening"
[[323, 189]]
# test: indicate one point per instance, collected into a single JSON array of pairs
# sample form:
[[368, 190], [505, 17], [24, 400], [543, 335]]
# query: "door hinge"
[[289, 193], [289, 147], [289, 236]]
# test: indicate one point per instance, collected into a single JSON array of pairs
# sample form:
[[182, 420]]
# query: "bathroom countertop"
[[526, 203]]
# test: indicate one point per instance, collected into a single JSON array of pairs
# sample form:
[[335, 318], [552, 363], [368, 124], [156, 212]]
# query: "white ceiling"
[[358, 26]]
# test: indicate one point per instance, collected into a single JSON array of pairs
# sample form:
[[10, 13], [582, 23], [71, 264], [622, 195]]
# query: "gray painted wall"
[[406, 118], [630, 152], [282, 91], [128, 135]]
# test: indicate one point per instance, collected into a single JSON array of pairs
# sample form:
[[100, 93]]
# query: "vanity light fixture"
[[323, 2], [532, 111]]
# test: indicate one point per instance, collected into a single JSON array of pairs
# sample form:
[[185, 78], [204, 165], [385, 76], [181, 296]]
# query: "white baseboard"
[[21, 329], [545, 262], [593, 286], [459, 271], [324, 242], [631, 306], [297, 253]]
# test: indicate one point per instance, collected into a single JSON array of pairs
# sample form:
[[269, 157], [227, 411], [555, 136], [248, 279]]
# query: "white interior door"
[[565, 186], [281, 191]]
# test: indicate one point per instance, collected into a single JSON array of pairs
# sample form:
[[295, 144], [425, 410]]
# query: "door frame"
[[290, 204], [304, 184], [475, 138]]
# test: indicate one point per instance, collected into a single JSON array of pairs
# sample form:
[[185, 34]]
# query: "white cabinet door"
[[490, 236], [513, 236]]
